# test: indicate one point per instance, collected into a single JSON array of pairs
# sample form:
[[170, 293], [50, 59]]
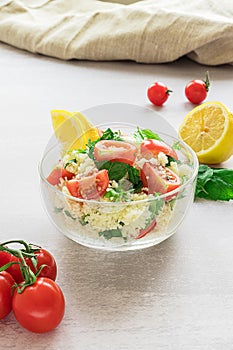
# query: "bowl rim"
[[146, 200]]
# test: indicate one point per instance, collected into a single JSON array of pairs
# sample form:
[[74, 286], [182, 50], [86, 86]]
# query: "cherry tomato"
[[111, 150], [196, 90], [158, 93], [40, 307], [6, 292], [89, 187], [146, 230], [158, 179], [151, 148], [43, 258], [14, 269], [56, 174], [5, 258]]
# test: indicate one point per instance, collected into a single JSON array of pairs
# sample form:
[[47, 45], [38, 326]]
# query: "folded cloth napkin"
[[148, 31]]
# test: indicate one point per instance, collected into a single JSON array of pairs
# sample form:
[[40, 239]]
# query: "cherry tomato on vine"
[[196, 90], [6, 293], [14, 269], [40, 307], [158, 93], [43, 258]]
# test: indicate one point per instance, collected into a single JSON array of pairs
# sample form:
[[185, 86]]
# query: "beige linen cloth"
[[149, 31]]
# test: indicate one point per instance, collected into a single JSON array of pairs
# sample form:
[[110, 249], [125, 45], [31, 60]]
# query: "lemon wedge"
[[72, 130], [208, 130]]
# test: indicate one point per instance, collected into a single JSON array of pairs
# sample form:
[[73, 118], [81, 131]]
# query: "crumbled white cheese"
[[162, 158]]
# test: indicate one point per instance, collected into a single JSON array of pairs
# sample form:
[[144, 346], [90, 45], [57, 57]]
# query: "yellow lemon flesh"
[[208, 130], [72, 130]]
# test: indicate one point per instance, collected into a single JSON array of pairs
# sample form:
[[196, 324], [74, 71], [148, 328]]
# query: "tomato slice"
[[89, 187], [146, 230], [151, 148], [56, 174], [111, 150], [158, 178]]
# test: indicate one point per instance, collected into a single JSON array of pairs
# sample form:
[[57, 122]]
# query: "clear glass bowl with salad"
[[130, 188]]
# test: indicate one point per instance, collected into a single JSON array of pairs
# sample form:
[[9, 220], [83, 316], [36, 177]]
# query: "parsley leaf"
[[214, 183], [142, 134], [108, 234], [111, 135]]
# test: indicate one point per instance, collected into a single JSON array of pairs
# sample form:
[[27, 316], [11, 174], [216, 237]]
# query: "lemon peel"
[[208, 130]]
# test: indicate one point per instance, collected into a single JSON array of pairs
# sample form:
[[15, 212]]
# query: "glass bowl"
[[120, 226]]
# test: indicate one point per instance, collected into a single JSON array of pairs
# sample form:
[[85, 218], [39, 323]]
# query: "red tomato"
[[6, 292], [40, 307], [151, 148], [146, 230], [5, 258], [111, 150], [14, 269], [196, 90], [43, 257], [56, 174], [158, 93], [89, 187], [158, 179]]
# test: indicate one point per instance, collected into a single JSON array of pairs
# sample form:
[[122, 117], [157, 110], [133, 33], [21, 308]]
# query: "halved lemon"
[[208, 130], [73, 130]]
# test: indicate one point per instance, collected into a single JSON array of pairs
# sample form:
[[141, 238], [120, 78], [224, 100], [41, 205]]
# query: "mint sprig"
[[214, 183]]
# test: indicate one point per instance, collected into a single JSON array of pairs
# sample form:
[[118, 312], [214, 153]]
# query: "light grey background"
[[177, 295]]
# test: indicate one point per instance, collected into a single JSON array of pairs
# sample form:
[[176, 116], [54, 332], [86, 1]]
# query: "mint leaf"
[[214, 183], [116, 170], [133, 175]]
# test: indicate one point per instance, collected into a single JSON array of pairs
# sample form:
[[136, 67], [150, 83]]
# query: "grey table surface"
[[177, 295]]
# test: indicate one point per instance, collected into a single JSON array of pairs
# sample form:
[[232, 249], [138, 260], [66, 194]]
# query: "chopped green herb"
[[69, 162], [108, 234], [156, 205], [176, 145], [121, 192], [214, 183], [69, 215], [57, 210], [171, 159], [142, 134], [111, 135], [83, 220]]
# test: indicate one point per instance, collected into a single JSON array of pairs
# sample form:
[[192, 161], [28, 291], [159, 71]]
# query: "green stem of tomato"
[[27, 247], [28, 276]]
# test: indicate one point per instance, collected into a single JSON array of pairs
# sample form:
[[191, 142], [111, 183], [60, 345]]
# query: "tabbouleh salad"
[[111, 188]]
